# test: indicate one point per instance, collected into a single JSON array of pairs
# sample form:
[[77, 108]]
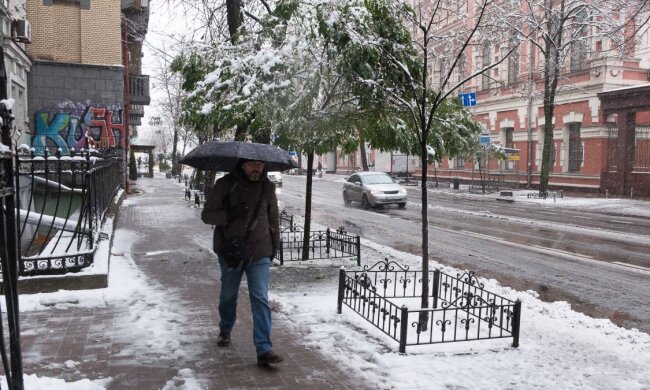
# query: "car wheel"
[[364, 202], [402, 205], [346, 200]]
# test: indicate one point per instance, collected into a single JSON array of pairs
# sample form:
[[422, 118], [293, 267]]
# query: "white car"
[[275, 177], [373, 189]]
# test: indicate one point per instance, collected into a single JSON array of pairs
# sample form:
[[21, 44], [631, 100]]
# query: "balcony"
[[139, 84], [136, 112], [135, 120], [137, 4]]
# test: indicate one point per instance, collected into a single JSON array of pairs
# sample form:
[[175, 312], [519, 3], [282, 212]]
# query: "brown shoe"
[[224, 339], [269, 357]]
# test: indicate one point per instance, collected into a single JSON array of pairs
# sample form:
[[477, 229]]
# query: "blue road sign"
[[293, 153], [485, 139], [469, 99]]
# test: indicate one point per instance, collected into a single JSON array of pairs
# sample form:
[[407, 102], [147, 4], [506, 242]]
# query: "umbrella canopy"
[[224, 156]]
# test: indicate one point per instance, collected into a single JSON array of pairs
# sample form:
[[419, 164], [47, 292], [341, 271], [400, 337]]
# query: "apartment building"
[[16, 35], [80, 92], [588, 142], [510, 106]]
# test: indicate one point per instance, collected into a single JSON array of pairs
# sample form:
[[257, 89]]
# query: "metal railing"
[[286, 222], [462, 310], [62, 208], [323, 244], [10, 355], [139, 87], [546, 195]]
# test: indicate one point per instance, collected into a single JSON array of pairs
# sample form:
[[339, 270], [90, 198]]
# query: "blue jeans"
[[257, 274]]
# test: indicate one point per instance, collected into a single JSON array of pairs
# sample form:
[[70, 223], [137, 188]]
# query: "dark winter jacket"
[[231, 219]]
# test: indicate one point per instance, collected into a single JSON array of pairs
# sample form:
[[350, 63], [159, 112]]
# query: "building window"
[[485, 80], [83, 4], [459, 162], [575, 148], [461, 67], [509, 137], [509, 145], [579, 46], [513, 66], [552, 162]]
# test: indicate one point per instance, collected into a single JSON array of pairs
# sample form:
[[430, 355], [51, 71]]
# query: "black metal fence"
[[462, 310], [10, 355], [286, 222], [62, 207], [323, 244], [546, 195]]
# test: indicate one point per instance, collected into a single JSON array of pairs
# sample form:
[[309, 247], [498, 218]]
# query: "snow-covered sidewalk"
[[559, 348]]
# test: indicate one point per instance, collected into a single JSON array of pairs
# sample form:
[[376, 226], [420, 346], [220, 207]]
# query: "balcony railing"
[[135, 120], [139, 84]]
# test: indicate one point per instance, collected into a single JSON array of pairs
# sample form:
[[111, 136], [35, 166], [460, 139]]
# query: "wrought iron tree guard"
[[323, 244], [462, 309]]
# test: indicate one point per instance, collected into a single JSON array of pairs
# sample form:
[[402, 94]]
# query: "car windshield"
[[377, 179]]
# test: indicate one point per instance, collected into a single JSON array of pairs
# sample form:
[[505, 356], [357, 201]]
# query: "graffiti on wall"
[[78, 126]]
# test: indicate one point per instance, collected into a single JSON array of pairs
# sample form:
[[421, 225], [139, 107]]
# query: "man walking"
[[244, 208]]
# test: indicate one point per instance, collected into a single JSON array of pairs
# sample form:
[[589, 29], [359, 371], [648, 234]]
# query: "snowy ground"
[[559, 348]]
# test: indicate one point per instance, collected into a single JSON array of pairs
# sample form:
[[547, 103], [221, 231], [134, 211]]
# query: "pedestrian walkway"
[[75, 340]]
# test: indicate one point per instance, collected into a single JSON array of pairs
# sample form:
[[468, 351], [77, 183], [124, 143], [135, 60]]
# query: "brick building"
[[79, 82], [510, 107]]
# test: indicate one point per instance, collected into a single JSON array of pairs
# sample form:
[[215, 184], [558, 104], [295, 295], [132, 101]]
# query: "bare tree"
[[567, 34]]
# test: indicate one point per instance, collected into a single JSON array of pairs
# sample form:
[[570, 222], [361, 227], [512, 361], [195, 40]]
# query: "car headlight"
[[402, 191], [375, 192]]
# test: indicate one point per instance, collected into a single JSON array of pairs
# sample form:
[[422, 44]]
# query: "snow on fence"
[[286, 221], [462, 310], [63, 203]]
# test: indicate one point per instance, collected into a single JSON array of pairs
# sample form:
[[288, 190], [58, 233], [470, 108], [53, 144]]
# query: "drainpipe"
[[127, 104]]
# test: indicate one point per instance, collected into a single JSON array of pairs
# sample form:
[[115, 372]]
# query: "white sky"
[[559, 348], [167, 23]]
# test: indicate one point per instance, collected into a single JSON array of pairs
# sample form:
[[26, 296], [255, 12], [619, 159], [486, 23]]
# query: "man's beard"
[[254, 176]]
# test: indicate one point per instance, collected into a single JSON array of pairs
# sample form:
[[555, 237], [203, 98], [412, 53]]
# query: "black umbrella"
[[224, 156]]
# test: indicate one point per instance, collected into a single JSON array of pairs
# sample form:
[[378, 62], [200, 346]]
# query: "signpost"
[[469, 99], [485, 139]]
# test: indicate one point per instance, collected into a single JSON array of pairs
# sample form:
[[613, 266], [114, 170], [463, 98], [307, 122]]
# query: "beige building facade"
[[71, 32]]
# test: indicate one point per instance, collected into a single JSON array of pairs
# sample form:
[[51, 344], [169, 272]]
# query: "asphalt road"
[[596, 260]]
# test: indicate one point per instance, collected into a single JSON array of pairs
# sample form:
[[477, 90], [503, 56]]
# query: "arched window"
[[579, 46]]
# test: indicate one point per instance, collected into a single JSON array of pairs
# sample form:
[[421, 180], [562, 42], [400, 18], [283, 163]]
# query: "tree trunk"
[[235, 18], [307, 226], [242, 129], [175, 170], [362, 152], [424, 316], [549, 108]]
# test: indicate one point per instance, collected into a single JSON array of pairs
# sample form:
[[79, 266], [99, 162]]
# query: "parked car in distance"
[[373, 189], [275, 177]]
